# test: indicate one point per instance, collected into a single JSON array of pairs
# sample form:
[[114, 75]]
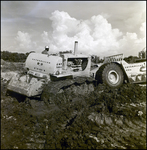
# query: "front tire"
[[112, 76]]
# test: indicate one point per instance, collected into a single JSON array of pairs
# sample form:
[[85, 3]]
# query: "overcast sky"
[[101, 27]]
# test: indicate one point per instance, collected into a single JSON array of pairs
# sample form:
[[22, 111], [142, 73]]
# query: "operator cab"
[[75, 63], [73, 66]]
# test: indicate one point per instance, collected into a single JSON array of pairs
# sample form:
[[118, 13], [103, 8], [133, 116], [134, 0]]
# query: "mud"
[[102, 119]]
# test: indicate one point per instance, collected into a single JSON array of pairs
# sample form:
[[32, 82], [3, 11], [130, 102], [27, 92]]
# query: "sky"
[[102, 28]]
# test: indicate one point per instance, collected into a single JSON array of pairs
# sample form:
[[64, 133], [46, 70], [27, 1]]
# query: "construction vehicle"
[[48, 75]]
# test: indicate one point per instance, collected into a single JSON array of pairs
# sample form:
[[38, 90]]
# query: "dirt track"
[[105, 118]]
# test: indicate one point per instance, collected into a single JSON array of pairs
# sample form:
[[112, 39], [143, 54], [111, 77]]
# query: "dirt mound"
[[77, 86], [104, 118], [6, 76], [8, 66], [2, 62], [11, 66]]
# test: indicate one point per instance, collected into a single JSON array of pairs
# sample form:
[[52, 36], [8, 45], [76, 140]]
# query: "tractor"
[[48, 73]]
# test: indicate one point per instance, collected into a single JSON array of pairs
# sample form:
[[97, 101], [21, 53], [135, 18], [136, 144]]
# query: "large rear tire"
[[113, 76]]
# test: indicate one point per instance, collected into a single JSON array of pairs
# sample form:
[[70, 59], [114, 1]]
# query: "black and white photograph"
[[73, 74]]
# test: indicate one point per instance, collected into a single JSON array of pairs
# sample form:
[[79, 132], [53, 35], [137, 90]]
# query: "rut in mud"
[[104, 118]]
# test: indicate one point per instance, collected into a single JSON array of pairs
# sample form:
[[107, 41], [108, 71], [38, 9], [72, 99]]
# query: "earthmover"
[[70, 71]]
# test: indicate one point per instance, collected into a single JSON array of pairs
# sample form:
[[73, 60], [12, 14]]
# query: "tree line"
[[21, 57], [14, 57]]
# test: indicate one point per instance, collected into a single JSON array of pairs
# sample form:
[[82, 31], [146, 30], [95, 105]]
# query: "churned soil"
[[105, 118], [102, 119]]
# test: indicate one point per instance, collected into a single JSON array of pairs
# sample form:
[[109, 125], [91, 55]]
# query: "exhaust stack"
[[75, 47]]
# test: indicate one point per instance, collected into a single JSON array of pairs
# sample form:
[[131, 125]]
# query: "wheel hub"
[[113, 77]]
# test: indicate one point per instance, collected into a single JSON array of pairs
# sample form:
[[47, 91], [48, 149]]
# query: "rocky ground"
[[103, 119]]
